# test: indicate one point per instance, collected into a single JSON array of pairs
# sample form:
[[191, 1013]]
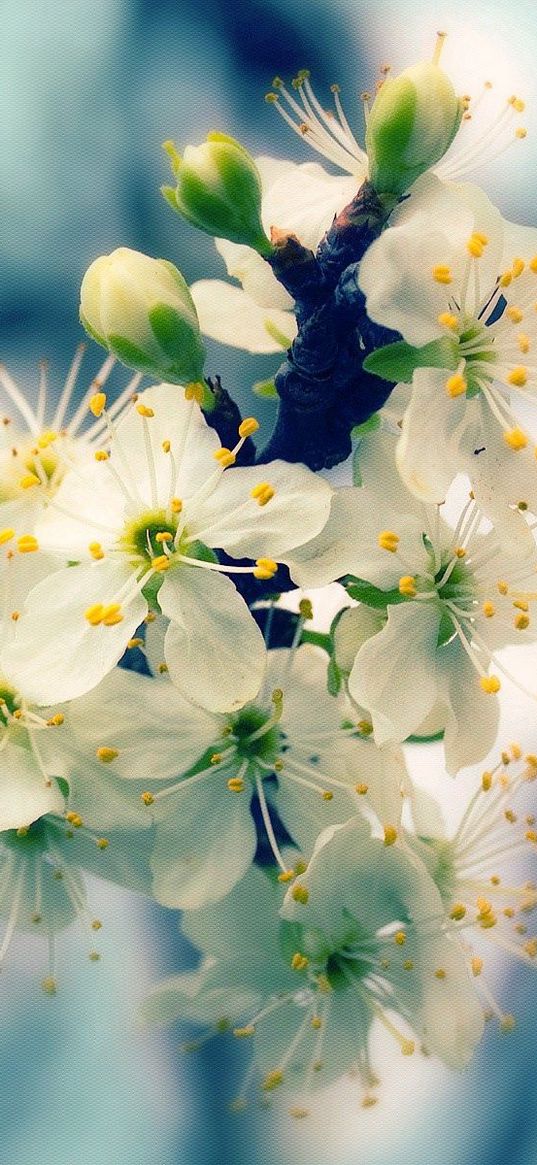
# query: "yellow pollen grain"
[[176, 505], [521, 133], [516, 751], [195, 391], [517, 267], [163, 536], [327, 795], [531, 835], [530, 947], [502, 586], [247, 427], [46, 438], [490, 684], [440, 973], [161, 562], [316, 1022], [265, 568], [301, 866], [225, 457], [388, 540], [408, 1047], [408, 965], [300, 893], [112, 614], [456, 385], [272, 1080], [518, 376], [521, 605], [514, 314], [390, 834], [442, 273], [506, 279], [399, 938], [94, 614], [262, 493], [29, 480], [299, 962], [6, 535], [523, 343], [74, 819], [521, 622], [488, 609], [476, 965], [235, 785], [361, 789], [101, 455], [26, 544], [447, 320], [518, 104], [166, 446], [533, 264], [49, 985], [242, 1033], [97, 403], [507, 1024], [15, 615], [475, 245], [457, 912], [286, 876], [305, 609], [135, 642], [407, 586], [147, 798], [144, 410], [56, 720], [106, 755], [515, 438], [96, 550]]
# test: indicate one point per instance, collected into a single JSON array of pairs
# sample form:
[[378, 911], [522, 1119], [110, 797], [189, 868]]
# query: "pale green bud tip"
[[141, 310], [412, 123], [218, 190]]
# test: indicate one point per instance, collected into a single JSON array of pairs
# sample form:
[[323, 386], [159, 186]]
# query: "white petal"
[[434, 427], [205, 847], [214, 649], [232, 519], [472, 714], [56, 653], [24, 793], [394, 672], [246, 921], [257, 278], [227, 314], [304, 201]]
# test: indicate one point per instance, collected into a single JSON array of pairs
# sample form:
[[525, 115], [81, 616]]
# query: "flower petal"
[[24, 793], [227, 314]]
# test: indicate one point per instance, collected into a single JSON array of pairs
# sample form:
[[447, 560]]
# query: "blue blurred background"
[[88, 91]]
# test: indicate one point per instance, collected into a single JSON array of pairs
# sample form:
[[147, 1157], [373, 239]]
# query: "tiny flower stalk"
[[411, 124], [219, 191], [142, 311]]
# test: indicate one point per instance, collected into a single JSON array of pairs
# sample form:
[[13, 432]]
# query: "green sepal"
[[370, 426], [333, 678], [364, 592], [398, 362], [265, 389], [63, 786]]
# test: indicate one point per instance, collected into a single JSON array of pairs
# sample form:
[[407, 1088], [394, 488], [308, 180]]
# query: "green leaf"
[[371, 596], [397, 362], [370, 426]]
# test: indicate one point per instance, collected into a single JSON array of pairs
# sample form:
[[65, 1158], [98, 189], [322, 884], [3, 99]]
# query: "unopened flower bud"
[[219, 190], [142, 311], [412, 123]]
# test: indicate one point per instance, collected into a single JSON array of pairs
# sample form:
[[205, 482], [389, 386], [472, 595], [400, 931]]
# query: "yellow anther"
[[515, 438], [248, 427], [408, 965], [388, 540], [476, 245], [476, 965], [516, 751], [215, 758], [242, 1033], [365, 727], [502, 586], [301, 866], [457, 912], [305, 609], [521, 622], [272, 1080], [262, 493], [94, 614], [442, 273], [521, 605], [531, 835], [300, 893], [46, 438], [147, 798], [96, 924], [29, 480], [299, 1113], [161, 562], [163, 536], [162, 669], [96, 550], [456, 385], [18, 714], [518, 376], [327, 795], [166, 446], [440, 973], [460, 552], [136, 641], [94, 956], [483, 905], [225, 457], [390, 834], [530, 947], [362, 789], [399, 938], [235, 785], [369, 1101], [6, 535], [408, 1047], [524, 344], [74, 819], [102, 843], [507, 1023], [56, 720], [495, 880], [278, 765], [506, 279], [49, 985], [26, 544], [509, 912], [316, 1022], [265, 568], [286, 876], [447, 320], [488, 609], [518, 104], [101, 455], [407, 586], [145, 411], [97, 403], [176, 505], [490, 684], [195, 391], [521, 133], [15, 615], [106, 755], [518, 267], [514, 314], [112, 614], [299, 962]]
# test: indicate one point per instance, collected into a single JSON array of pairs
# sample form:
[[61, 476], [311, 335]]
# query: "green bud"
[[142, 311], [219, 190], [412, 123]]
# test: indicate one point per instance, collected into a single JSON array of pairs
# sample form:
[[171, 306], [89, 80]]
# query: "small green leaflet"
[[397, 362]]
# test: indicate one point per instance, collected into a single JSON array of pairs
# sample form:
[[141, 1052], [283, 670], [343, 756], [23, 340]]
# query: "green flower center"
[[144, 538], [265, 745]]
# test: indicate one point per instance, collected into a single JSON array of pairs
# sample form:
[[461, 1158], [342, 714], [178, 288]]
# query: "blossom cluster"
[[166, 721]]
